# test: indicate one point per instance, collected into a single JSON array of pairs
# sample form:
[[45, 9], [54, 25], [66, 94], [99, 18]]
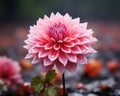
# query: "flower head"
[[9, 71], [59, 41]]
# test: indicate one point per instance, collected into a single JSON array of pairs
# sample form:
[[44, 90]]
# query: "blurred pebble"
[[75, 94], [95, 86], [80, 86], [110, 82], [92, 86], [117, 92], [92, 94]]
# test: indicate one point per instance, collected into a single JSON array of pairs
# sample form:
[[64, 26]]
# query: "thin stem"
[[63, 81]]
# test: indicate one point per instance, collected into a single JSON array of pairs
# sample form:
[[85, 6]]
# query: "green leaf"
[[50, 76], [38, 83], [51, 91]]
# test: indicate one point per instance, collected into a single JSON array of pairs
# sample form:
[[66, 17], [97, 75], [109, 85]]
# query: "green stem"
[[63, 81]]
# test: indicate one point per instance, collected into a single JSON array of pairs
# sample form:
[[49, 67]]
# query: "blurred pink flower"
[[59, 41], [9, 71]]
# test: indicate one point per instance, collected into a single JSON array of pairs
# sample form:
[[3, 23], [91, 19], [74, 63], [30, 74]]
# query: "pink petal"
[[53, 55], [33, 50], [35, 60], [26, 46], [81, 59], [84, 25], [66, 16], [52, 15], [42, 53], [84, 40], [92, 39], [58, 16], [76, 42], [29, 55], [76, 50], [69, 44], [47, 62], [46, 68], [48, 46], [88, 40], [56, 46], [66, 49], [60, 67], [67, 39], [40, 45], [63, 59], [72, 58], [76, 20], [40, 21], [46, 17], [84, 49], [88, 32], [72, 67], [91, 50]]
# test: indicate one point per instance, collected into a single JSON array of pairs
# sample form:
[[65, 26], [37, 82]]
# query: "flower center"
[[58, 31]]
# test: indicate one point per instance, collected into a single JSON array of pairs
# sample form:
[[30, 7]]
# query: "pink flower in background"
[[59, 41], [9, 71]]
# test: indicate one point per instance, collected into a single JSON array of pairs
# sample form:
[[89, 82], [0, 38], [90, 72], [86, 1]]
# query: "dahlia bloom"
[[9, 71], [59, 41]]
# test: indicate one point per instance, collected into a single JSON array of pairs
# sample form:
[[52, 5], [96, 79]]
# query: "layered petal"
[[59, 41], [63, 59], [81, 59], [72, 67]]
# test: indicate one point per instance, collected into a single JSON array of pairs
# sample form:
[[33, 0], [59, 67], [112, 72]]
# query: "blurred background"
[[103, 16]]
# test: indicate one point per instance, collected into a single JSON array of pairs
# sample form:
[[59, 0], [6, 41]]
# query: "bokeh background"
[[103, 16]]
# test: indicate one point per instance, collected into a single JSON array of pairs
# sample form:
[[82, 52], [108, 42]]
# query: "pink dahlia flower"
[[59, 41], [9, 71]]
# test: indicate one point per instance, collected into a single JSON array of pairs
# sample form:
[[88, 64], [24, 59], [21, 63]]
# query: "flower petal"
[[42, 53], [76, 50], [47, 62], [26, 46], [81, 59], [33, 50], [72, 58], [35, 60], [48, 46], [56, 46], [71, 67], [63, 59], [76, 42], [76, 20], [91, 50], [84, 25], [69, 44], [66, 49], [52, 15], [46, 68], [29, 55], [53, 55], [60, 67]]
